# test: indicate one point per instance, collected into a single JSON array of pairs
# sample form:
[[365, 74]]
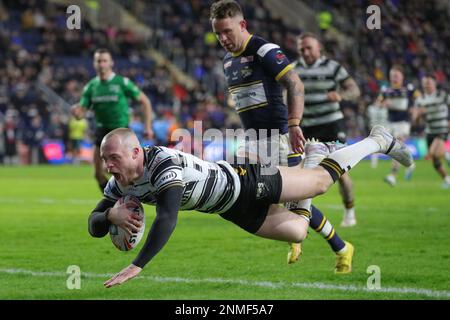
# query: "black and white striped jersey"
[[436, 106], [323, 76], [207, 187]]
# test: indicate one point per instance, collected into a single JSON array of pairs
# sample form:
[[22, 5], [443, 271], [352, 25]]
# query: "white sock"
[[349, 156], [349, 213], [447, 180], [343, 250]]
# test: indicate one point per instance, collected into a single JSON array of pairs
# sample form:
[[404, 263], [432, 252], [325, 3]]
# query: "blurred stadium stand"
[[169, 50]]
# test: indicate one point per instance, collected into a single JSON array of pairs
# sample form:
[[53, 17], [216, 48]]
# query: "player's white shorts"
[[273, 150], [400, 129]]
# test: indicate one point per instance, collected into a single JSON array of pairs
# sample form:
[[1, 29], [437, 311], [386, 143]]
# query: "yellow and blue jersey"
[[252, 76], [401, 100]]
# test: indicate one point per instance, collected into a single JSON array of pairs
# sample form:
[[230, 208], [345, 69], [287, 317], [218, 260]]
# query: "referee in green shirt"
[[107, 95]]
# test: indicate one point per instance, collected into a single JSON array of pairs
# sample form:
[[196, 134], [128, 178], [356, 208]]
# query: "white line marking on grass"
[[55, 201], [247, 283]]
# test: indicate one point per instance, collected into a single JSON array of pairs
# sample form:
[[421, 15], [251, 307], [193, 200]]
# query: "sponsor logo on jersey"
[[227, 64], [261, 190], [249, 95], [279, 57], [266, 48], [245, 95], [100, 99], [188, 189], [114, 88], [169, 175], [246, 59], [246, 72], [240, 171]]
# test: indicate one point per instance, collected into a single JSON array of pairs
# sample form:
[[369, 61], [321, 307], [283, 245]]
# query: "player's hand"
[[334, 96], [297, 139], [123, 216], [126, 274], [77, 112], [386, 103]]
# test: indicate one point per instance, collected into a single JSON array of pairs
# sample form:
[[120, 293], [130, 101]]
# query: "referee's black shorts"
[[260, 187]]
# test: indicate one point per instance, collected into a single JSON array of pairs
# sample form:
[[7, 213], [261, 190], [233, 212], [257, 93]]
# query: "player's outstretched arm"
[[147, 111], [126, 274], [168, 204]]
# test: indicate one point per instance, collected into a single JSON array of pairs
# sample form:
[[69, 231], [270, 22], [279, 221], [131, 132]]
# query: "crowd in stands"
[[38, 51], [413, 34], [40, 55]]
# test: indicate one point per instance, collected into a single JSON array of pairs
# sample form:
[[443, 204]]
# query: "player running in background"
[[256, 72], [326, 84], [398, 100], [433, 105], [106, 95], [376, 115], [243, 194]]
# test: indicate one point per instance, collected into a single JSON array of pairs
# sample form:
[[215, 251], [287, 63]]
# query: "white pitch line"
[[263, 284], [56, 201]]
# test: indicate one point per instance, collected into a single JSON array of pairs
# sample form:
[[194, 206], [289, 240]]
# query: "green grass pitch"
[[402, 230]]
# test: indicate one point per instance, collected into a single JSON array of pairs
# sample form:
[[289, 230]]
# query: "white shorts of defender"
[[400, 129], [273, 150]]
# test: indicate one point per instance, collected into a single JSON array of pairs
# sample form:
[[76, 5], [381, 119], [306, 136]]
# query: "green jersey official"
[[107, 96], [109, 100]]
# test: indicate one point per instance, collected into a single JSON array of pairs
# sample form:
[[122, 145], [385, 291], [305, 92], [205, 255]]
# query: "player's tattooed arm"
[[350, 90], [295, 94], [296, 102]]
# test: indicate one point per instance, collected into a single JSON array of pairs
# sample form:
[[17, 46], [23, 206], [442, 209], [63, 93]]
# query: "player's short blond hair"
[[308, 35], [223, 9], [398, 68]]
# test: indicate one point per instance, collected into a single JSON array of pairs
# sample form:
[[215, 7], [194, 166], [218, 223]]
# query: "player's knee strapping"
[[304, 213], [333, 168]]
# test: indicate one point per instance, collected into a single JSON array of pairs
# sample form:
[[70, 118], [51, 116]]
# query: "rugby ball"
[[119, 236]]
